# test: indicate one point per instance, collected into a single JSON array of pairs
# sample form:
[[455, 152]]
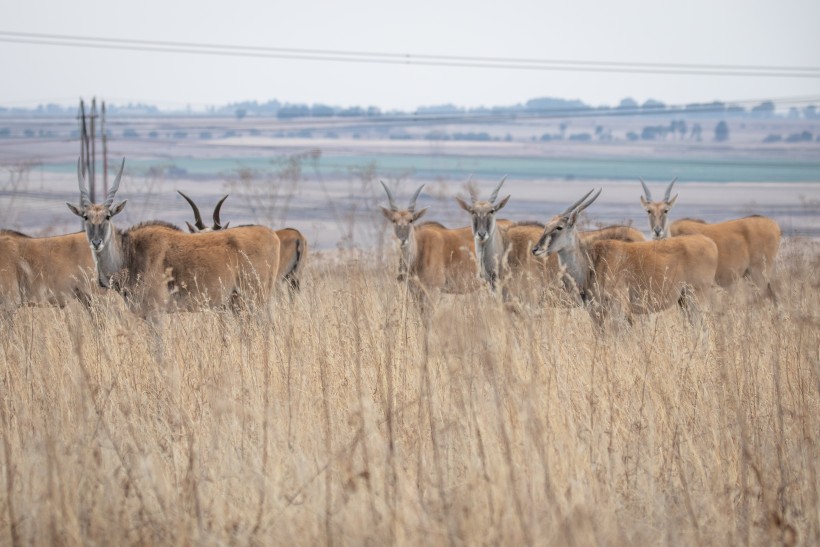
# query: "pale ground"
[[345, 212]]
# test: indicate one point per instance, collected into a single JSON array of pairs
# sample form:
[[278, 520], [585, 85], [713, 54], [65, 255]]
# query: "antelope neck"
[[408, 253], [575, 259], [489, 253], [110, 259]]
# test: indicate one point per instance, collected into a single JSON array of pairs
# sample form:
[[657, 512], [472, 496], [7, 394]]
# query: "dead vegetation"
[[343, 417]]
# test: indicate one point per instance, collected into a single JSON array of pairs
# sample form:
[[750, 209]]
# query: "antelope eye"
[[666, 210], [648, 212], [559, 227]]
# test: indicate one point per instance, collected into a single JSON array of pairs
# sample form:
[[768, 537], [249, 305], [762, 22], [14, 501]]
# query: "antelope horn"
[[494, 195], [412, 206], [217, 225], [389, 197], [577, 203], [589, 201], [669, 189], [198, 219], [109, 199], [85, 198], [646, 190], [471, 189]]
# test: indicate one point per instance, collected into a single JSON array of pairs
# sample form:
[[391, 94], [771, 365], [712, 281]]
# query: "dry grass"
[[344, 418]]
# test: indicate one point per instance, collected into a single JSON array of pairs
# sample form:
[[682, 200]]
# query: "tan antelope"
[[616, 277], [658, 211], [747, 247], [158, 267], [293, 245], [505, 251], [433, 258], [44, 270]]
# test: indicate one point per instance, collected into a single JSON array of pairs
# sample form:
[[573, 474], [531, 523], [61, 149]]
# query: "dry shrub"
[[345, 417]]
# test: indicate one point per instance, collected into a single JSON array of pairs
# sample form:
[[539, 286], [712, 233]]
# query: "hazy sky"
[[750, 32]]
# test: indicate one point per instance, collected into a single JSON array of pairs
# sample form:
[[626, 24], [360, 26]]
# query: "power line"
[[409, 59]]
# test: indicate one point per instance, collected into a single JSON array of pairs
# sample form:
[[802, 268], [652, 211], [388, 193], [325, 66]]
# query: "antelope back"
[[207, 269], [746, 246]]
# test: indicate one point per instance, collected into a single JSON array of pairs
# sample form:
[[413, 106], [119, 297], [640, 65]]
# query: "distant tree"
[[697, 130], [722, 131], [153, 135], [793, 113], [632, 136], [682, 128], [322, 110], [581, 137], [628, 104], [652, 104], [765, 109], [130, 134], [205, 135], [804, 136], [810, 112], [5, 132], [240, 113], [28, 133], [773, 137]]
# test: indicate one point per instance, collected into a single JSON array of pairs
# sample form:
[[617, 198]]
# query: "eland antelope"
[[747, 247], [44, 270], [432, 257], [158, 267], [293, 245], [505, 251], [614, 276]]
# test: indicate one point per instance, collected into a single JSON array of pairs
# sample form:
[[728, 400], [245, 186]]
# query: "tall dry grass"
[[344, 417]]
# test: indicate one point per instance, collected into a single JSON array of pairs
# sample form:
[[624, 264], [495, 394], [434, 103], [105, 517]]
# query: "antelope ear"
[[75, 209], [671, 202], [464, 205], [420, 213], [501, 204], [191, 227], [388, 214], [225, 227], [118, 207]]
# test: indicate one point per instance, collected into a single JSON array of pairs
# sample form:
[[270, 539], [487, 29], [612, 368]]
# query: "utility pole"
[[105, 150], [93, 164], [81, 120]]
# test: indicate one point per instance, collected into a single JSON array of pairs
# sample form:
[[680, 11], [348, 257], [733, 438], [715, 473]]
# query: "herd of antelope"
[[613, 272]]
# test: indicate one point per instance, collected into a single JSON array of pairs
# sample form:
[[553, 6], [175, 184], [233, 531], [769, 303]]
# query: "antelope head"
[[658, 210], [483, 212], [560, 232], [402, 219], [97, 216], [198, 226]]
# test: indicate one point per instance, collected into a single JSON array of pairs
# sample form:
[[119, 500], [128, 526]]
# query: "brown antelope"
[[491, 243], [632, 278], [658, 211], [747, 247], [432, 256], [505, 251], [44, 270], [157, 267], [293, 245]]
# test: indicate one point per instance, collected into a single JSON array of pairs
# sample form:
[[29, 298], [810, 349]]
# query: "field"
[[346, 417]]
